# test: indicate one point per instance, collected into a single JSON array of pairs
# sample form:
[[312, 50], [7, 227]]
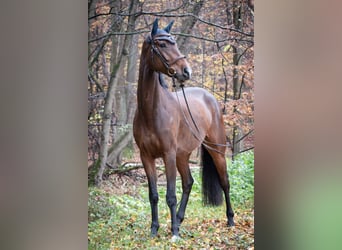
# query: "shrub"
[[241, 176]]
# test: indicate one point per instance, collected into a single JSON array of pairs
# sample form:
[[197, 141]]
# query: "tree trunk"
[[125, 104], [188, 24], [106, 124], [118, 66], [203, 64], [236, 87], [235, 18], [118, 146]]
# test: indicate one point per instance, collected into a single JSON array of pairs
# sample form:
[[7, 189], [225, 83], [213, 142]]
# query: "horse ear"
[[154, 27], [168, 28]]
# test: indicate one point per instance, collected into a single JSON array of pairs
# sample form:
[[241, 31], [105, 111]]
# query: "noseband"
[[155, 49]]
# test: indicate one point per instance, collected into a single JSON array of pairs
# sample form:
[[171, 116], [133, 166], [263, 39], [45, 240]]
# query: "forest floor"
[[119, 214]]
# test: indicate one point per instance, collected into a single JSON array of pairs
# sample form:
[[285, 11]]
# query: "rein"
[[171, 72], [204, 142]]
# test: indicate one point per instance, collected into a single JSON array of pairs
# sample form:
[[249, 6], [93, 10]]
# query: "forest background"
[[216, 36]]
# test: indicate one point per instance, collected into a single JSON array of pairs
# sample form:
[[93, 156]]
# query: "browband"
[[165, 37]]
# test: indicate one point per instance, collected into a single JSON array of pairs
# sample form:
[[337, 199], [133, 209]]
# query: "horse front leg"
[[150, 170], [171, 199]]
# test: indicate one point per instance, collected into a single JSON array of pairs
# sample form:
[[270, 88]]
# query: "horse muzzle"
[[183, 76]]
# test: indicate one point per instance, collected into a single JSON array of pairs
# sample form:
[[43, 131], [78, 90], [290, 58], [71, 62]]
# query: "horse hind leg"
[[221, 167], [226, 189], [187, 182]]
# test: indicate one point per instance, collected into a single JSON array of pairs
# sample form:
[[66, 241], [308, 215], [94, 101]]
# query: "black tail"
[[211, 188]]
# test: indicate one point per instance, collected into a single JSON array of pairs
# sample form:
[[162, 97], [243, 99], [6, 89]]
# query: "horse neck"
[[149, 92]]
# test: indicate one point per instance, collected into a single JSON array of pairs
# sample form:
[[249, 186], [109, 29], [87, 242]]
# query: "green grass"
[[123, 222]]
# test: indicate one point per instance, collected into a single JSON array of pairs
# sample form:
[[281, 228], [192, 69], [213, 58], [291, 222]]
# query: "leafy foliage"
[[123, 221], [241, 175]]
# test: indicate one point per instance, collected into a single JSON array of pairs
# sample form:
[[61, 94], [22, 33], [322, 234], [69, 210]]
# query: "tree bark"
[[235, 18], [188, 24], [107, 117], [118, 66], [116, 149], [125, 105]]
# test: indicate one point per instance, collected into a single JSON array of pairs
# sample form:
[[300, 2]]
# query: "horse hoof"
[[175, 238], [154, 234], [230, 224]]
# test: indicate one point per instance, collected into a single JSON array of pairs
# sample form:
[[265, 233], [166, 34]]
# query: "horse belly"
[[189, 138]]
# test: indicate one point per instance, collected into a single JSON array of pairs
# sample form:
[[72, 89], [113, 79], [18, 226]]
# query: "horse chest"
[[150, 142], [154, 140]]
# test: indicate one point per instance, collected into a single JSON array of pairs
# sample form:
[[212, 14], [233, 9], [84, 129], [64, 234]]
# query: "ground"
[[119, 216]]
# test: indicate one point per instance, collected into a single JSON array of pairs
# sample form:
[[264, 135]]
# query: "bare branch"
[[201, 20], [129, 167], [118, 34], [244, 136], [95, 81], [213, 40], [126, 14]]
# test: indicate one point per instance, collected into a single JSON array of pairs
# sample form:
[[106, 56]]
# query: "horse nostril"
[[187, 72]]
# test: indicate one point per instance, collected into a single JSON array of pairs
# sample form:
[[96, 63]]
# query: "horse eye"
[[162, 45]]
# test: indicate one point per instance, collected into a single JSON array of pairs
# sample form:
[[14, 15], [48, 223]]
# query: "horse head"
[[165, 56]]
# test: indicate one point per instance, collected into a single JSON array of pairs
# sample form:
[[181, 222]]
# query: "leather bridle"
[[155, 49]]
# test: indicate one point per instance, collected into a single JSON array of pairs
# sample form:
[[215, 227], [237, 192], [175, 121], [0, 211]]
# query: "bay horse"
[[162, 128]]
